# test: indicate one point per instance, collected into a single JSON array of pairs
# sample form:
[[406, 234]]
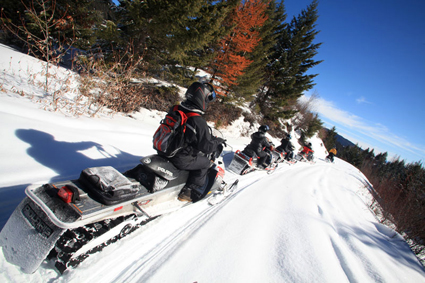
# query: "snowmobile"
[[67, 221], [281, 157], [328, 159], [243, 164], [305, 157]]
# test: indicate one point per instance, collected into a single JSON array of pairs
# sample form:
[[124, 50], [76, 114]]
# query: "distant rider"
[[307, 151], [198, 139], [259, 143], [331, 154]]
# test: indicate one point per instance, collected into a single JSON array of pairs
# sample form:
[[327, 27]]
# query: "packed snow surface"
[[304, 223]]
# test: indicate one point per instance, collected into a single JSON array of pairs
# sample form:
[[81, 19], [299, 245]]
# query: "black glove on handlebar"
[[223, 141]]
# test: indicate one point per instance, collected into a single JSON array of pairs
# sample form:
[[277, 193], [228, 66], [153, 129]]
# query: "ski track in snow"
[[147, 263]]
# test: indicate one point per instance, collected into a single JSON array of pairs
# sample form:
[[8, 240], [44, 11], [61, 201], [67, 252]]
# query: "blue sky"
[[371, 85]]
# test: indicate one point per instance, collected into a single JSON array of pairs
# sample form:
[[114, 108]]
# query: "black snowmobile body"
[[279, 156], [243, 164], [69, 220]]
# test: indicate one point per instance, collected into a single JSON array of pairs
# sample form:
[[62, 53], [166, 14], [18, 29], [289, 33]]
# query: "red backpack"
[[169, 137]]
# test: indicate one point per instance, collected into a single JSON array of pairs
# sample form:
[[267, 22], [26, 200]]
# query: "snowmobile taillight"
[[65, 194], [118, 208], [68, 194]]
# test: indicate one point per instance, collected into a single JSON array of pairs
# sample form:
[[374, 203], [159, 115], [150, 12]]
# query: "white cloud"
[[362, 99], [365, 133]]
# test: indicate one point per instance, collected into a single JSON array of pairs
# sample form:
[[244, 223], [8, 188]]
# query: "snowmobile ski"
[[223, 193]]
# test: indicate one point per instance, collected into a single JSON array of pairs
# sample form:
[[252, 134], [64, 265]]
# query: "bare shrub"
[[109, 84], [131, 97], [41, 31], [249, 117], [399, 200], [222, 114]]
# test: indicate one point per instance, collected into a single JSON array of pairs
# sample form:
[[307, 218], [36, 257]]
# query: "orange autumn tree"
[[231, 60]]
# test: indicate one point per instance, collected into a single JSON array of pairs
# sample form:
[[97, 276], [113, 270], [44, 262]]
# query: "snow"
[[304, 223]]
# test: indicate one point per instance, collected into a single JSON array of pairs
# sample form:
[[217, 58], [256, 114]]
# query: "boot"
[[186, 193]]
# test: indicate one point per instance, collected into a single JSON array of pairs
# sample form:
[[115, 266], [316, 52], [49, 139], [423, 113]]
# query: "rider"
[[259, 142], [198, 139], [308, 151], [331, 155], [287, 147]]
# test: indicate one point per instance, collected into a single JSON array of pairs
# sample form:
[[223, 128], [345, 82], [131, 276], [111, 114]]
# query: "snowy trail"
[[275, 236], [269, 217]]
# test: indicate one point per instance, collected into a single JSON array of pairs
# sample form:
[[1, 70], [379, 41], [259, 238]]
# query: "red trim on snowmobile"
[[220, 171]]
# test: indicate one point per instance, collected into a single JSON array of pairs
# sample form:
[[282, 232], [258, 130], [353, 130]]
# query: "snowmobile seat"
[[156, 173], [161, 166]]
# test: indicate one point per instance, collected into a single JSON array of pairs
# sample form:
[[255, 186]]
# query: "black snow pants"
[[196, 165], [262, 155]]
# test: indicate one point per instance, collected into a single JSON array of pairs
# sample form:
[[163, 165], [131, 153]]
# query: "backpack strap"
[[191, 114], [187, 116]]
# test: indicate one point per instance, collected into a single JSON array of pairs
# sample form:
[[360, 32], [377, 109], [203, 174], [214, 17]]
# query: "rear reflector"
[[65, 194]]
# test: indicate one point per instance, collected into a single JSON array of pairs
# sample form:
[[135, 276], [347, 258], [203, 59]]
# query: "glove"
[[223, 141]]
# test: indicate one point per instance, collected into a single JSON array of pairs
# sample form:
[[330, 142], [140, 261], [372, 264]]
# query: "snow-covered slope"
[[304, 223]]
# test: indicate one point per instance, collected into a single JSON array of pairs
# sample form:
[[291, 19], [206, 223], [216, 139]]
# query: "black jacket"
[[258, 142], [286, 145], [198, 137]]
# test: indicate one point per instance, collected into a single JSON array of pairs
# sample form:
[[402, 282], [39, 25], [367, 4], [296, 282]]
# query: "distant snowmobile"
[[278, 156], [68, 221], [328, 159], [243, 164], [305, 157], [281, 157]]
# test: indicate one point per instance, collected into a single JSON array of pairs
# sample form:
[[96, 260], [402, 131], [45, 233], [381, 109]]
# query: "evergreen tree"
[[368, 154], [85, 18], [254, 75], [167, 32], [330, 141], [12, 12], [231, 57], [314, 125], [63, 22], [292, 58], [352, 155]]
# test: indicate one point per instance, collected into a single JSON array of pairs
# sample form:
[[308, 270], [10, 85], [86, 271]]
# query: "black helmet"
[[263, 128], [200, 94]]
